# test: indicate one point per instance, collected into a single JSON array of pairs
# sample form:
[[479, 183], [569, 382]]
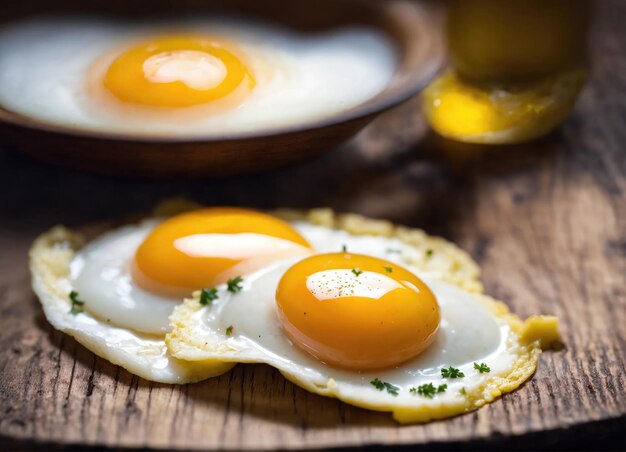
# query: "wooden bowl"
[[413, 27]]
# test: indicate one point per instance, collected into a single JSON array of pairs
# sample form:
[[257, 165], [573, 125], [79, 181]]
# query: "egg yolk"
[[499, 114], [178, 71], [356, 311], [207, 247]]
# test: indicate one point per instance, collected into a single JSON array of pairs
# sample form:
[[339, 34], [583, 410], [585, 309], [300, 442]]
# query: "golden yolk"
[[499, 114], [177, 71], [356, 311], [207, 247]]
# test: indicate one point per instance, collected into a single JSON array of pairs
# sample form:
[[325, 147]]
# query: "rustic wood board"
[[547, 222]]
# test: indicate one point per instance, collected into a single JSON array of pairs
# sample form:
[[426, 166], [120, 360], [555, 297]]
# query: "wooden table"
[[547, 222]]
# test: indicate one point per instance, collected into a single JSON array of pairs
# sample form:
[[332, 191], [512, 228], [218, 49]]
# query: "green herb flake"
[[463, 391], [394, 250], [428, 390], [392, 389], [430, 252], [234, 285], [388, 269], [482, 368], [229, 331], [207, 296], [451, 372], [78, 306], [357, 271], [382, 385], [344, 248]]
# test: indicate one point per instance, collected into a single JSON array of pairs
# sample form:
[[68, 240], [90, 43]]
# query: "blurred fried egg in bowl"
[[187, 77], [380, 316], [209, 89]]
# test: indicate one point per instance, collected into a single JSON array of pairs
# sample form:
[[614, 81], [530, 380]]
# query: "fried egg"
[[115, 294], [365, 329], [363, 340], [187, 76]]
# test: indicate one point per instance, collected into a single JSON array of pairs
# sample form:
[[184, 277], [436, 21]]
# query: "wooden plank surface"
[[546, 221]]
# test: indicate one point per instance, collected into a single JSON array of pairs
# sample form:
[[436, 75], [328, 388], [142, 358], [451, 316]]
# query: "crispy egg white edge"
[[143, 355]]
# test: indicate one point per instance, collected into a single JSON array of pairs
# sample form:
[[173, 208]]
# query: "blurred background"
[[515, 70]]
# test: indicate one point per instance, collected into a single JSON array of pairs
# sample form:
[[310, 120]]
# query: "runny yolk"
[[207, 247], [356, 311], [178, 71]]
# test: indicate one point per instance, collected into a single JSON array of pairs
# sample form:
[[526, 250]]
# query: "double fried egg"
[[187, 76], [381, 317]]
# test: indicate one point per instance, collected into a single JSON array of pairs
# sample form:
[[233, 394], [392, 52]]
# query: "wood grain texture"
[[546, 221]]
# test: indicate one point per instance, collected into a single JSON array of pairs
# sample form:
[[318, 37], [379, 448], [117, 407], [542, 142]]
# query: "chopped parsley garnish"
[[482, 368], [344, 248], [428, 390], [78, 306], [234, 285], [451, 372], [229, 330], [380, 385], [392, 389], [207, 296], [463, 391], [357, 271], [388, 269], [429, 252]]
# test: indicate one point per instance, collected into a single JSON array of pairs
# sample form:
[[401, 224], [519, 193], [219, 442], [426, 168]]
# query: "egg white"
[[48, 67], [100, 273], [469, 333], [142, 354]]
